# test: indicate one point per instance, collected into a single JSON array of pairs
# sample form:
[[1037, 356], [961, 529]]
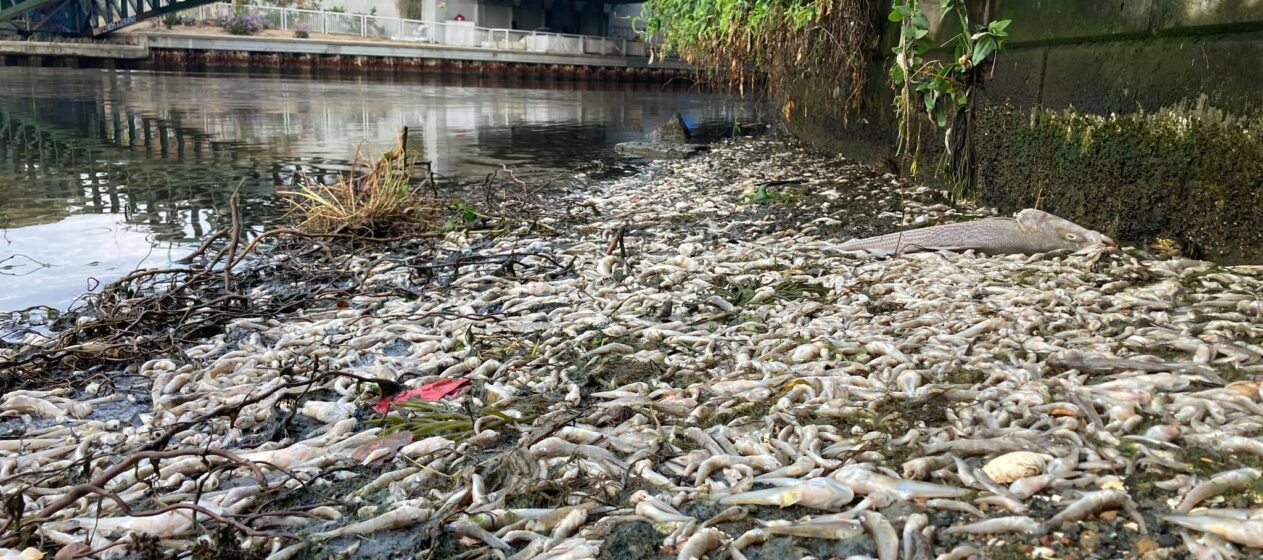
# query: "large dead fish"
[[1031, 231]]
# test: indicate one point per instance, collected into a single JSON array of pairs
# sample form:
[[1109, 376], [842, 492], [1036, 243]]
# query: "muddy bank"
[[679, 363]]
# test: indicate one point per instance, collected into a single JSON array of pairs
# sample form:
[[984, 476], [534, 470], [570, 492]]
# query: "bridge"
[[88, 18]]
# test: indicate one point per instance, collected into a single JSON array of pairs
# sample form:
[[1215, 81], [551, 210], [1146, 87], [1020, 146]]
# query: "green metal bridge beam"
[[84, 17], [10, 9]]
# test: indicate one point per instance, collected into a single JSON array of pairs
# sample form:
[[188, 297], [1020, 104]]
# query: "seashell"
[[1012, 466]]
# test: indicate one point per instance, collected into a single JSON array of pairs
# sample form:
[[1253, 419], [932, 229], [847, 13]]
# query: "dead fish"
[[1247, 531], [865, 481], [701, 543], [1011, 524], [835, 527], [1090, 363], [820, 493], [398, 518], [1031, 231], [1092, 503], [1218, 484]]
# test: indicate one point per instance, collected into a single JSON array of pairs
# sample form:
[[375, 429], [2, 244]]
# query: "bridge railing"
[[451, 33]]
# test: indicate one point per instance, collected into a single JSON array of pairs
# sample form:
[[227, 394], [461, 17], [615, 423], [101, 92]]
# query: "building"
[[608, 18]]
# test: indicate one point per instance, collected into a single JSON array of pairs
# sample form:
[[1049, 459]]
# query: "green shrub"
[[744, 44]]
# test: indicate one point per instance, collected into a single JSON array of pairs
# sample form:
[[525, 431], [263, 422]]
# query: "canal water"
[[102, 172]]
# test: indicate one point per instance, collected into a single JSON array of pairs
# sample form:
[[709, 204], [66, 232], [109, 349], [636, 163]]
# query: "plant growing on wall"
[[942, 90], [820, 48]]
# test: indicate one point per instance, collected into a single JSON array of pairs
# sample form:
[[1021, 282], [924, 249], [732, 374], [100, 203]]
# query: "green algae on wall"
[[1190, 173], [1044, 130]]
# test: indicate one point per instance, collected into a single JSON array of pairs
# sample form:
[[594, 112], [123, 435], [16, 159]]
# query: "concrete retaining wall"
[[193, 51], [1142, 118]]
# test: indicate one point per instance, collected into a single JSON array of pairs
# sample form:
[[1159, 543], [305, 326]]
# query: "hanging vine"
[[780, 45], [770, 45], [942, 90]]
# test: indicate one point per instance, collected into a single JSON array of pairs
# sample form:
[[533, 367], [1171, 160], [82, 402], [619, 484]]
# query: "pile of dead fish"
[[707, 377]]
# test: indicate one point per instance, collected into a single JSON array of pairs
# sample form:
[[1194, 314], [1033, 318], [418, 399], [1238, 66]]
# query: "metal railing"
[[450, 33]]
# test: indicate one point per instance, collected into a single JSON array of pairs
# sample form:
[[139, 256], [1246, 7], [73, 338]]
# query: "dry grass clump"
[[376, 199]]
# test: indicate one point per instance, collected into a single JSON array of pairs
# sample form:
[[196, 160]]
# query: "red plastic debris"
[[441, 389]]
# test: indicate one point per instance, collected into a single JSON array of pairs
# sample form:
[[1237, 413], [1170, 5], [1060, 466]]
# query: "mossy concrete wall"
[[1141, 118]]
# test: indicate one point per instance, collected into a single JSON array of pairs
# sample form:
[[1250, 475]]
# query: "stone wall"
[[1141, 118]]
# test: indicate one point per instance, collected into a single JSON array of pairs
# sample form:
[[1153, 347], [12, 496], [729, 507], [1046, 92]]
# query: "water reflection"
[[156, 156], [94, 246]]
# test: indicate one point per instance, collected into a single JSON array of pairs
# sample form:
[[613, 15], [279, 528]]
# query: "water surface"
[[104, 171]]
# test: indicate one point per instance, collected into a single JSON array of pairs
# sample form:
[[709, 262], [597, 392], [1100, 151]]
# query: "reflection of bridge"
[[167, 150], [92, 156], [83, 17]]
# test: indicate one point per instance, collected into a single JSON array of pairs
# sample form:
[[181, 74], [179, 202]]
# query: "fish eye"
[[1072, 237]]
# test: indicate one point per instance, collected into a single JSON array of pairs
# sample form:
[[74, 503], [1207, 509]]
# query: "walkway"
[[330, 45]]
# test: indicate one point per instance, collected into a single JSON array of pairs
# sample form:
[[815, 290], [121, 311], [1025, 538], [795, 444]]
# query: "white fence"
[[450, 33]]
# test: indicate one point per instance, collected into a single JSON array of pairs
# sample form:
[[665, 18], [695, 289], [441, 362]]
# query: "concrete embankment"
[[1141, 119], [197, 51]]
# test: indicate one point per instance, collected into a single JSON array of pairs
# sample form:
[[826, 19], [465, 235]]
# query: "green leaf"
[[941, 117], [919, 33], [896, 75], [763, 195], [997, 27], [895, 16], [983, 49]]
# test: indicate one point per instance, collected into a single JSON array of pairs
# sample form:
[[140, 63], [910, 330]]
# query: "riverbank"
[[202, 48], [653, 350]]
